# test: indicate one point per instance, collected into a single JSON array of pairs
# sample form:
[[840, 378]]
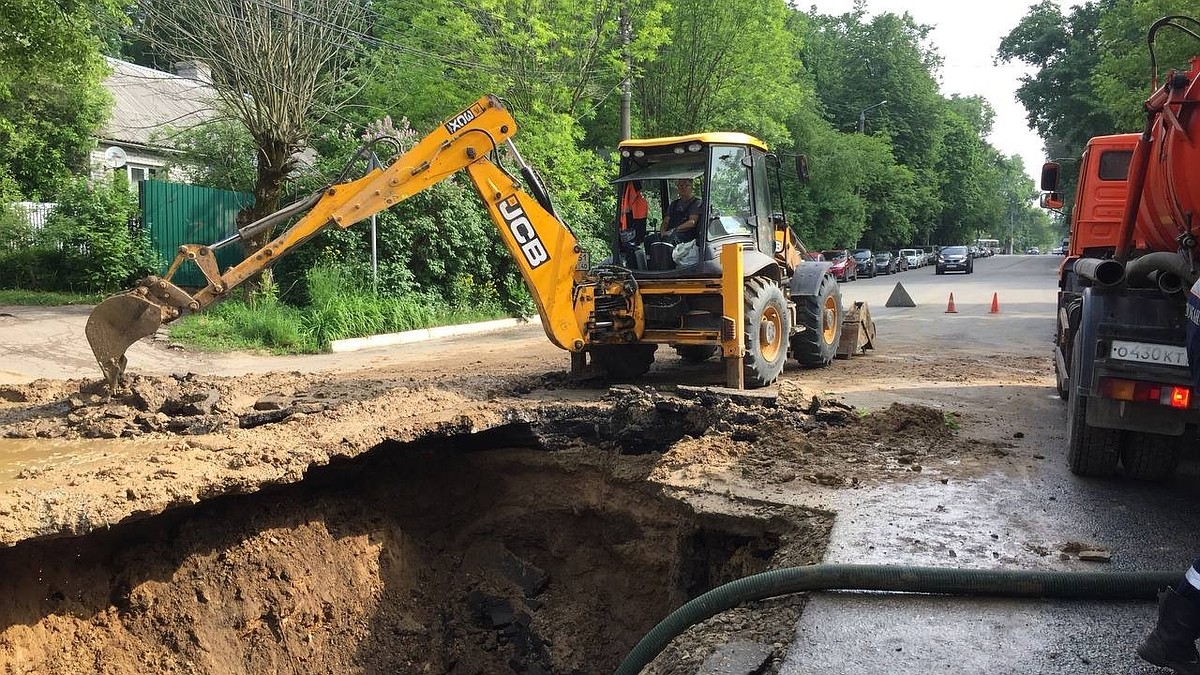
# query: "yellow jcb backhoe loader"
[[740, 286]]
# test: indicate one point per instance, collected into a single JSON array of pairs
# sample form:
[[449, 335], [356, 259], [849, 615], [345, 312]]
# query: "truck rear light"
[[1181, 397], [1147, 392]]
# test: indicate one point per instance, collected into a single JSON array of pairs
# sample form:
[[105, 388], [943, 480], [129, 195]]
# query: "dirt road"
[[462, 507]]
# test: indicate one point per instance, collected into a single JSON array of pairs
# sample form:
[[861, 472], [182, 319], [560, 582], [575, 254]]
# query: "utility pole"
[[627, 83]]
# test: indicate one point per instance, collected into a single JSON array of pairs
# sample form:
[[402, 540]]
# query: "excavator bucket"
[[117, 323]]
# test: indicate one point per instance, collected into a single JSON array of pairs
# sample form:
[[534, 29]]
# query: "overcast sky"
[[967, 35]]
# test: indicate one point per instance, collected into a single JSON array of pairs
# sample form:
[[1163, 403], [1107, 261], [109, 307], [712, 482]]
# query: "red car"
[[843, 265], [814, 256]]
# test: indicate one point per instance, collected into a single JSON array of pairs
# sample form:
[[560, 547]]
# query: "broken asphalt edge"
[[423, 334]]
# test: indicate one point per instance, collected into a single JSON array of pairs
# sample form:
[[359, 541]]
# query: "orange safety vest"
[[633, 207]]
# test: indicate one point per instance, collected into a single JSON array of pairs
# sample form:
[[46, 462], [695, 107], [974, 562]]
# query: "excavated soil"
[[410, 559], [315, 523]]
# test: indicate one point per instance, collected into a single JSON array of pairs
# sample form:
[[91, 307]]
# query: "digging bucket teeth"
[[117, 323]]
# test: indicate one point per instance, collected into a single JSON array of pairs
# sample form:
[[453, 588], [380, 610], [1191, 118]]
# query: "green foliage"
[[233, 325], [51, 101], [1122, 77], [17, 296], [218, 154], [89, 243]]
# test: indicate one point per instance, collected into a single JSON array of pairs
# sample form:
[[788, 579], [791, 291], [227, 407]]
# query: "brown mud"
[[312, 523]]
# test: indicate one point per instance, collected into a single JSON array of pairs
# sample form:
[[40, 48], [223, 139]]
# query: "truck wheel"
[[1091, 451], [623, 362], [821, 317], [695, 353], [766, 331], [1151, 456]]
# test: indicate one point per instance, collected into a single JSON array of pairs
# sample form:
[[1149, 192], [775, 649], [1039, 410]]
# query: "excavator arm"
[[546, 251]]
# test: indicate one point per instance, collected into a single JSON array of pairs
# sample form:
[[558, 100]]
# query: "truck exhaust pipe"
[[1099, 271]]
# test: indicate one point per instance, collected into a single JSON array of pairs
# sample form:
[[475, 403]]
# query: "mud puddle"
[[411, 558]]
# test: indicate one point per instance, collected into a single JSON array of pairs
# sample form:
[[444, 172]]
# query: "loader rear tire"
[[821, 317], [623, 362], [1152, 457], [696, 353], [766, 334]]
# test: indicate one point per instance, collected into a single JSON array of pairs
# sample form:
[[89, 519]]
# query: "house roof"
[[149, 104]]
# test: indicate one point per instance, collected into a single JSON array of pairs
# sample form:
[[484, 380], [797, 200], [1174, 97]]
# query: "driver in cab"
[[681, 217]]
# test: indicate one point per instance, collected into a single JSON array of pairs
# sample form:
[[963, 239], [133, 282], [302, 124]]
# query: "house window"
[[139, 172]]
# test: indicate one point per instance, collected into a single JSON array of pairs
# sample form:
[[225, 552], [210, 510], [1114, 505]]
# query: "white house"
[[148, 107]]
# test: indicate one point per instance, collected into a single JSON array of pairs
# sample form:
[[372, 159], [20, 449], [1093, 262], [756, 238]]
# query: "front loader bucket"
[[115, 324]]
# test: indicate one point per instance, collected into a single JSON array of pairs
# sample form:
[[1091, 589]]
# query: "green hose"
[[908, 579]]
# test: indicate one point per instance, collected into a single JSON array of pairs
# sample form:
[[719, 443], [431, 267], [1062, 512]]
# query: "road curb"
[[423, 334]]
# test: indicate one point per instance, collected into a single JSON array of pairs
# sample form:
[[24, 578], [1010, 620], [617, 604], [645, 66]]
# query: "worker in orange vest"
[[631, 218]]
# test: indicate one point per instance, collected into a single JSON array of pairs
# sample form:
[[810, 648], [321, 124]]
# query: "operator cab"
[[729, 177]]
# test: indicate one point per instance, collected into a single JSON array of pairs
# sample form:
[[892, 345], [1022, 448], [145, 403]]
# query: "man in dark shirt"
[[683, 214]]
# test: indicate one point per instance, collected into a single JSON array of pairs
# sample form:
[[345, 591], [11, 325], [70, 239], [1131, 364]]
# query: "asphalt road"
[[998, 520]]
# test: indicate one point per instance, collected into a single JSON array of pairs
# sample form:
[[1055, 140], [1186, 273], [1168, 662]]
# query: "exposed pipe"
[[1101, 272], [909, 579], [1137, 272]]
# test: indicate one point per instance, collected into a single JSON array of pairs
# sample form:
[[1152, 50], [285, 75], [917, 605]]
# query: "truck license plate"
[[1167, 355]]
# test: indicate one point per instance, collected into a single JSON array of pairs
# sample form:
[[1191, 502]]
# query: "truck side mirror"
[[1051, 200], [802, 168], [1050, 171]]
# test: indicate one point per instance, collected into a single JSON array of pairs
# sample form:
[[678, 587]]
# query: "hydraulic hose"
[[902, 578], [1137, 272]]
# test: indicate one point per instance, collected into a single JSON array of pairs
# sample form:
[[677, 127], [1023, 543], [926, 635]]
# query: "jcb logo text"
[[522, 230], [461, 119]]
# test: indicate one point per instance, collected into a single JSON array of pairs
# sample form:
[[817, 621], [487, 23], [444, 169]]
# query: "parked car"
[[930, 254], [973, 251], [814, 256], [1058, 250], [844, 267], [915, 257], [886, 263], [866, 262], [1033, 250], [957, 258]]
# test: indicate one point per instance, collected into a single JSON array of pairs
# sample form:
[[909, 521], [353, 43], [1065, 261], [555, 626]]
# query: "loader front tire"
[[821, 317], [623, 362], [767, 329]]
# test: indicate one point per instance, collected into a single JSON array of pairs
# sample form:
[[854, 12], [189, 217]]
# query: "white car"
[[915, 257]]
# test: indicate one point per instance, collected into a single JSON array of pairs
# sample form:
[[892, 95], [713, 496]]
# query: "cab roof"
[[717, 137]]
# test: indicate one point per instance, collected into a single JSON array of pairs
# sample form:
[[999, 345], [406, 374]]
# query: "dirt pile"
[[183, 404]]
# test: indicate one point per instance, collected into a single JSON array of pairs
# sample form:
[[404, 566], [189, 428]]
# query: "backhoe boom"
[[545, 250]]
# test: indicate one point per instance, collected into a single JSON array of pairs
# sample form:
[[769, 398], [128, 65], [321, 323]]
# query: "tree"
[[705, 77], [1060, 98], [51, 99], [274, 65]]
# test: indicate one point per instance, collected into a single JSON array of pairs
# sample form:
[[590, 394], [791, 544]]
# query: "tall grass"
[[267, 324], [340, 306], [18, 296]]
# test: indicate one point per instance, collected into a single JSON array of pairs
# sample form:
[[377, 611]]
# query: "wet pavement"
[[1021, 518]]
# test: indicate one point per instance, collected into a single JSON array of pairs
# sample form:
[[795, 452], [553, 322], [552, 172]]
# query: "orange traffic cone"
[[995, 304], [950, 306]]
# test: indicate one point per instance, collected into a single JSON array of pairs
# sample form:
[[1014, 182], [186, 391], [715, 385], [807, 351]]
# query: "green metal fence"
[[177, 214]]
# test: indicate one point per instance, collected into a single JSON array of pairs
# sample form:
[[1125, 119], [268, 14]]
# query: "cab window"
[[729, 193], [1114, 164]]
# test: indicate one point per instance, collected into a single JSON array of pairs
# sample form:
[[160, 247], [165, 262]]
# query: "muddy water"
[[25, 458]]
